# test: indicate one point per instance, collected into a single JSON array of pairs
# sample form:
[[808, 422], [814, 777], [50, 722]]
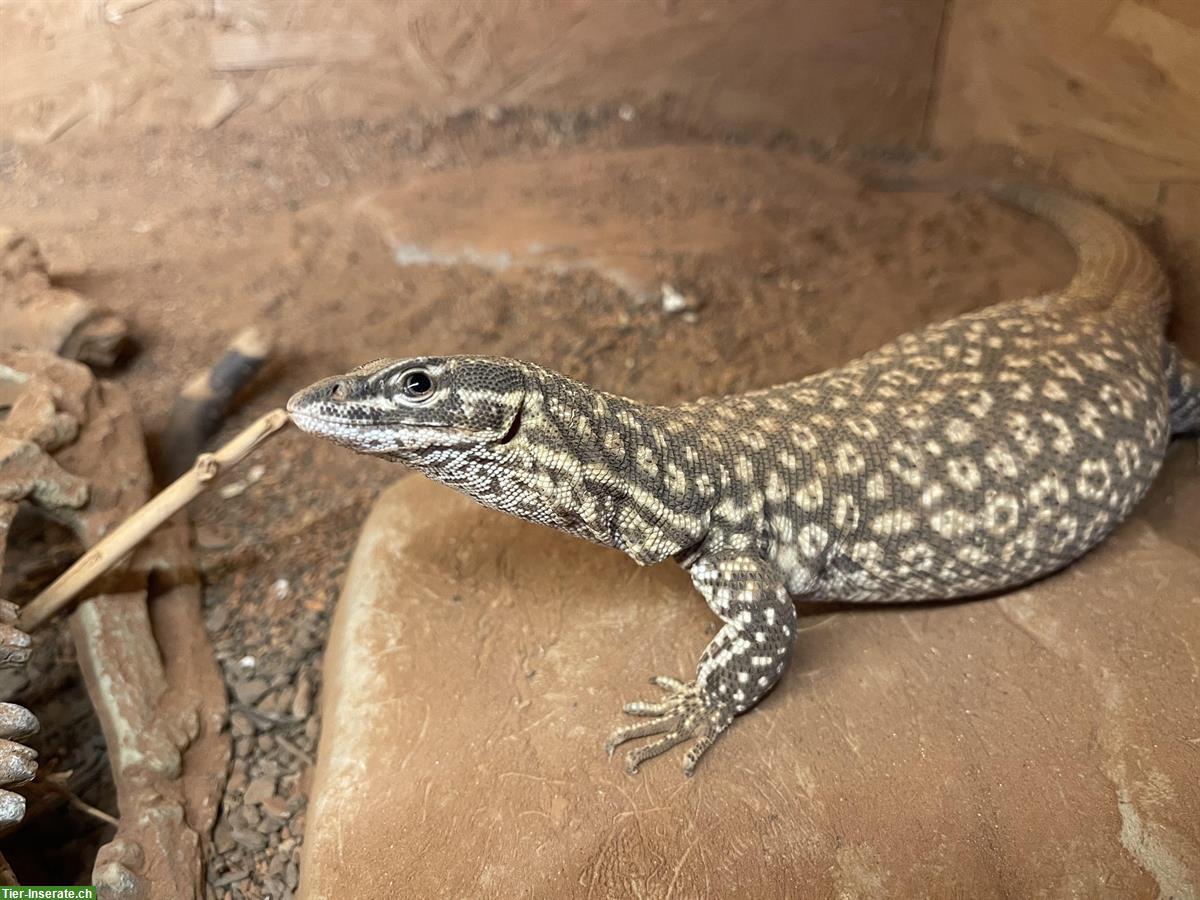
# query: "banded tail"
[[1115, 270]]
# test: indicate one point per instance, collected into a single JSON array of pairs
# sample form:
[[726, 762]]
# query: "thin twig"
[[81, 805], [261, 716], [113, 548], [295, 750]]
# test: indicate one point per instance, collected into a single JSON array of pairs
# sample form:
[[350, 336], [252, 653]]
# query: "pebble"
[[237, 782], [674, 302], [302, 701], [231, 877], [276, 807], [269, 827], [211, 537], [251, 840], [222, 838], [247, 692], [218, 618], [241, 724], [233, 489], [273, 703], [259, 790]]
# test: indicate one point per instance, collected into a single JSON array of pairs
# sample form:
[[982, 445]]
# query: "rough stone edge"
[[389, 517]]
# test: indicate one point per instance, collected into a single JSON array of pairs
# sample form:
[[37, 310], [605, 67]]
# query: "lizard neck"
[[592, 464]]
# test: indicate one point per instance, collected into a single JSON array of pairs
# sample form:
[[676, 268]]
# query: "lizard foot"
[[687, 711]]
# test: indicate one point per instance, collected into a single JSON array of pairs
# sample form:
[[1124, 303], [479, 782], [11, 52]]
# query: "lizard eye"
[[415, 384]]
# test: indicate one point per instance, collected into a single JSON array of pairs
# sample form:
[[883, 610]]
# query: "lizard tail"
[[1115, 270], [1183, 392]]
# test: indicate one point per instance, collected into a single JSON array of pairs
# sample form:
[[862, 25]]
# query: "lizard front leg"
[[739, 666]]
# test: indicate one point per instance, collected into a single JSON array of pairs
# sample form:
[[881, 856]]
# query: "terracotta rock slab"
[[1041, 744]]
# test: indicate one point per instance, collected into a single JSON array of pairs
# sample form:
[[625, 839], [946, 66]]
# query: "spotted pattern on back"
[[979, 454]]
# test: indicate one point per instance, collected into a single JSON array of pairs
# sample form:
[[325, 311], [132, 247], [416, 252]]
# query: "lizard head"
[[408, 408], [510, 434]]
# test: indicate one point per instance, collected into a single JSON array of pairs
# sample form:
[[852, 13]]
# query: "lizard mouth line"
[[363, 423], [299, 417]]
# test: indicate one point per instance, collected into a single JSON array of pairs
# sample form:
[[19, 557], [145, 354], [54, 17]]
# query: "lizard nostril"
[[339, 391]]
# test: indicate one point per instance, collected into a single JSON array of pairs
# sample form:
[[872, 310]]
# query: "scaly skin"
[[972, 456]]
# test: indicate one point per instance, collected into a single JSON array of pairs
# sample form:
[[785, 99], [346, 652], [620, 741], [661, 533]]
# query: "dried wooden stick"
[[114, 547], [80, 804], [206, 399]]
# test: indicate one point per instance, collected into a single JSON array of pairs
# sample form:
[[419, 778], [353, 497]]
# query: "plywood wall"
[[1103, 92], [825, 69]]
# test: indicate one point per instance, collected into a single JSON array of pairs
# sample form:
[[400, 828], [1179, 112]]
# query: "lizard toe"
[[687, 712]]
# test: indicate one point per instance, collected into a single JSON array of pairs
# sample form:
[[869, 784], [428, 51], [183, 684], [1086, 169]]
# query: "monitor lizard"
[[966, 458]]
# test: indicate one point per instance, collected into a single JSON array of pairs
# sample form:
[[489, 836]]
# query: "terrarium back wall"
[[1104, 92], [858, 71]]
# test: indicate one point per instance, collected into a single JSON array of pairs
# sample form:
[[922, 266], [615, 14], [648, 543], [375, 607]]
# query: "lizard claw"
[[688, 711]]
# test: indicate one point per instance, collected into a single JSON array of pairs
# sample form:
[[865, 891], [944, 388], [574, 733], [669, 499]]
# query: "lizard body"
[[969, 457]]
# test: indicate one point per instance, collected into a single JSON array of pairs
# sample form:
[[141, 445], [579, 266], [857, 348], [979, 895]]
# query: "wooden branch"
[[205, 401], [82, 805], [115, 546]]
